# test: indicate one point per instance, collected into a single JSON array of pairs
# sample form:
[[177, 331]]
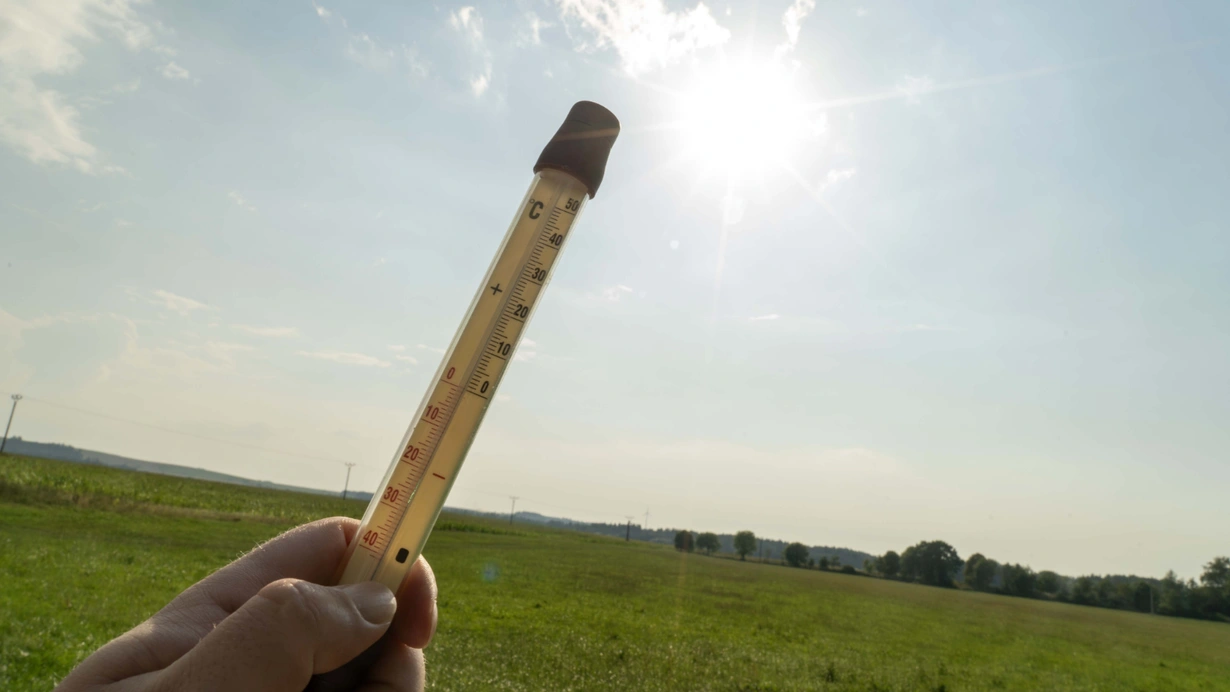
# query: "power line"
[[188, 434]]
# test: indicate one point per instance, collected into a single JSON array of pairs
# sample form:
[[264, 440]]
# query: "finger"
[[416, 607], [400, 669], [287, 632], [311, 552]]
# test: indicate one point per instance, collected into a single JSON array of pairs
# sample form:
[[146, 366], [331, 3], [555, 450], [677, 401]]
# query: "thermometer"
[[404, 509]]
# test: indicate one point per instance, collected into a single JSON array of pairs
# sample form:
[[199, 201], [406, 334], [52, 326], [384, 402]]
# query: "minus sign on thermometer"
[[405, 507]]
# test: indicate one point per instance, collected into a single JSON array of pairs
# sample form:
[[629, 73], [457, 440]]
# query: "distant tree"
[[796, 554], [1048, 582], [1105, 592], [931, 562], [811, 563], [979, 572], [1019, 580], [1217, 574], [869, 566], [708, 542], [848, 569], [1142, 596], [824, 563], [745, 544], [911, 564], [1083, 591], [683, 541], [971, 566], [889, 564]]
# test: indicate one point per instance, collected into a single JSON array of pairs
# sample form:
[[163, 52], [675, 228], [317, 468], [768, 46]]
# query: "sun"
[[743, 118]]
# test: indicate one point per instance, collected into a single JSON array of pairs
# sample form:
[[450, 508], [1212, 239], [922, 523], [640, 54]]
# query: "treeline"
[[938, 564], [746, 543]]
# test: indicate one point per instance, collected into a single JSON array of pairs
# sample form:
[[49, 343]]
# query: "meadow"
[[87, 552]]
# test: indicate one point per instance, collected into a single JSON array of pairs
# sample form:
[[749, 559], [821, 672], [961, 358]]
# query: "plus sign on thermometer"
[[404, 509]]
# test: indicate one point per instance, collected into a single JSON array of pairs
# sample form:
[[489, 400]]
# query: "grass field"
[[87, 552]]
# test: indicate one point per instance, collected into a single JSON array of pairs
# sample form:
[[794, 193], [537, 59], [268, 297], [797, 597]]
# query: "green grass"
[[85, 553]]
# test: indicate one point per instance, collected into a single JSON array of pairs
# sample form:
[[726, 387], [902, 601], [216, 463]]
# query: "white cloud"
[[239, 200], [40, 39], [645, 34], [180, 304], [174, 72], [433, 349], [272, 332], [372, 53], [469, 22], [527, 350], [792, 22], [614, 293], [861, 12], [674, 244], [345, 358], [409, 359], [397, 347], [764, 318], [913, 87], [364, 51], [835, 176], [224, 352], [532, 35]]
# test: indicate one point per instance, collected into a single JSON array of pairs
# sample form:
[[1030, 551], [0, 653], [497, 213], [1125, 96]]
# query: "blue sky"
[[861, 273]]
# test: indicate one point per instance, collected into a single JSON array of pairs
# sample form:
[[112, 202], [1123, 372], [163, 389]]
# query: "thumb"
[[283, 635]]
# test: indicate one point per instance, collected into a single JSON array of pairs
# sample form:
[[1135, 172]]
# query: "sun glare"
[[742, 118]]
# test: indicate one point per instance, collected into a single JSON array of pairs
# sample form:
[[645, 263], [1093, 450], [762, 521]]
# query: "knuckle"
[[292, 603]]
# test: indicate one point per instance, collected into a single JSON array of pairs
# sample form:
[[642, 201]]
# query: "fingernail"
[[374, 600]]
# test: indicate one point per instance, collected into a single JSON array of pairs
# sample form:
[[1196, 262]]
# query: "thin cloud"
[[44, 41], [468, 21], [374, 54], [240, 201], [913, 87], [792, 22], [532, 34], [397, 347], [344, 358], [176, 303], [433, 349], [408, 359], [836, 176], [271, 332], [174, 72], [765, 318], [527, 351], [614, 293], [645, 34]]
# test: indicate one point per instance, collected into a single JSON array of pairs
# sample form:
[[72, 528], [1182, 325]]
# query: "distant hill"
[[49, 450], [768, 548]]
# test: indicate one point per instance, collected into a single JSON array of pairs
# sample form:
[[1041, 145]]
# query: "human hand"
[[264, 623]]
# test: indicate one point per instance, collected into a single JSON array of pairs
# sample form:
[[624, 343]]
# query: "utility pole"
[[512, 512], [628, 535], [349, 465], [5, 441]]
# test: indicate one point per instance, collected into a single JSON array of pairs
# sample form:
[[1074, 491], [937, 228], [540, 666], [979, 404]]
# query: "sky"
[[860, 273]]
